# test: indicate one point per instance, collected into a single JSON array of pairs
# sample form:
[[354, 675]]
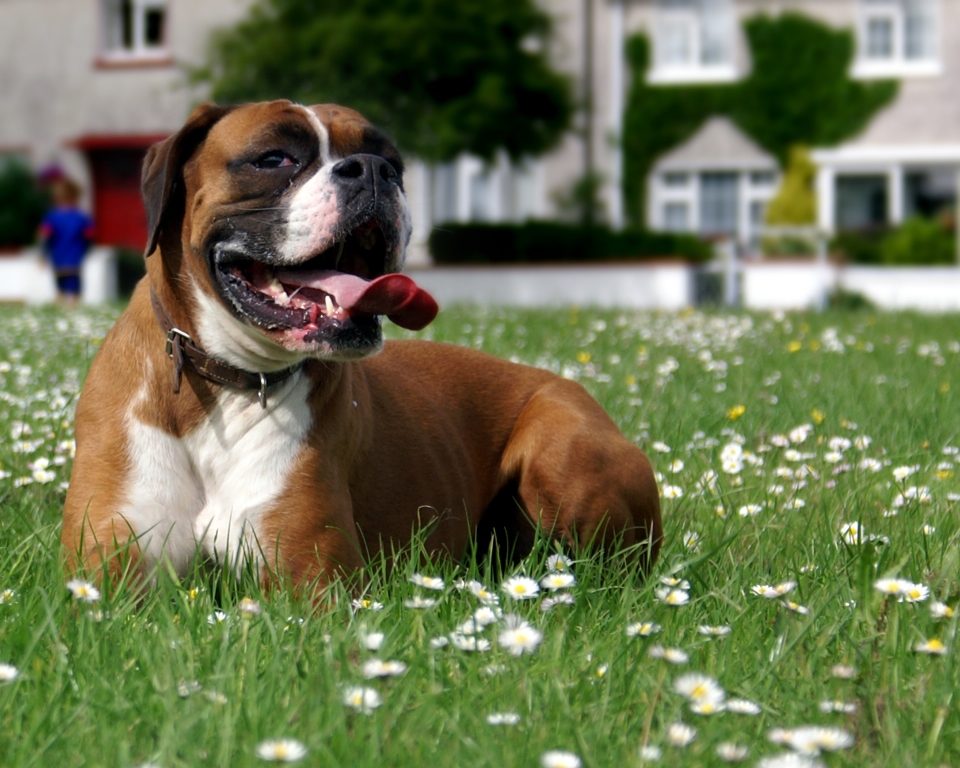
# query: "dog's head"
[[290, 223]]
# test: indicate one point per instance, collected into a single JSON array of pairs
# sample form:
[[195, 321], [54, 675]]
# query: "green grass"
[[98, 684]]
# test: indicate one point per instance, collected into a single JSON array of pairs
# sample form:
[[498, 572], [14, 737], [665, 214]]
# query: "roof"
[[719, 145]]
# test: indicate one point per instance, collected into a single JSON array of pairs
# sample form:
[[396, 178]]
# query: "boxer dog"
[[245, 404]]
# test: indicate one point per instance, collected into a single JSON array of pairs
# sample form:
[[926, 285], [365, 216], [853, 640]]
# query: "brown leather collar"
[[181, 349]]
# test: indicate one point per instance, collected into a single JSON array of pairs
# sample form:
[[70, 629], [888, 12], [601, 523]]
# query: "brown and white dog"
[[276, 232]]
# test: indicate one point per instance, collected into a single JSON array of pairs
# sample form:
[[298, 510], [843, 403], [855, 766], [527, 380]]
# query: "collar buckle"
[[171, 339]]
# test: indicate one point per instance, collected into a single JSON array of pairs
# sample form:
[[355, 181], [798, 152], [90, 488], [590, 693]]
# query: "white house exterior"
[[88, 84], [717, 183]]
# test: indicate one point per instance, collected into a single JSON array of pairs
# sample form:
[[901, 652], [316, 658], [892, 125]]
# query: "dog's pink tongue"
[[396, 296]]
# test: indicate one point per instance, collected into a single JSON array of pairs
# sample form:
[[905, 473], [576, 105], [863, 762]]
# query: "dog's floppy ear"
[[163, 163]]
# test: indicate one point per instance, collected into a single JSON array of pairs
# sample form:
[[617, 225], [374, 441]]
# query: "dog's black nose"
[[366, 173]]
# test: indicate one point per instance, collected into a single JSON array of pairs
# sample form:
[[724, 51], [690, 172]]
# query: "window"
[[897, 38], [693, 41], [861, 202], [135, 28], [719, 203], [676, 217], [763, 178]]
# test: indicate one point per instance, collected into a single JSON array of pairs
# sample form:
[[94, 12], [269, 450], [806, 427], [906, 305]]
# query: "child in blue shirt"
[[66, 232]]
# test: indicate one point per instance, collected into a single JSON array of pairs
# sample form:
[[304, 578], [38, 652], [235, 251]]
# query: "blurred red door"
[[115, 163]]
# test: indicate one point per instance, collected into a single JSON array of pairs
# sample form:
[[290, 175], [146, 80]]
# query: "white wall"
[[27, 277], [653, 286]]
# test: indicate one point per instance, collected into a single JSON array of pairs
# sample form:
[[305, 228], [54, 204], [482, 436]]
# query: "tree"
[[440, 77]]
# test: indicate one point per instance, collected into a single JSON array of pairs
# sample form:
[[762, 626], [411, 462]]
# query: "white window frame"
[[897, 65], [112, 49], [695, 70]]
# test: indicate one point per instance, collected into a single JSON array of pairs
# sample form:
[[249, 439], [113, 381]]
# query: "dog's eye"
[[274, 159]]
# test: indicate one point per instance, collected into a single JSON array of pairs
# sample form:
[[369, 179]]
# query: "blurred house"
[[89, 84]]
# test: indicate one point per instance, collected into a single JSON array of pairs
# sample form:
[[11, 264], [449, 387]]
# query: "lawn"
[[804, 460]]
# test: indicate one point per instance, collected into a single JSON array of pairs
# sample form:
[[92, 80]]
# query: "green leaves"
[[798, 92], [441, 78]]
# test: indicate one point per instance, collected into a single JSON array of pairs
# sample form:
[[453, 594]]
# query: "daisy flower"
[[378, 668], [281, 750], [933, 647], [503, 718], [696, 686], [564, 598], [668, 491], [556, 758], [676, 466], [366, 605], [844, 707], [743, 707], [559, 563], [427, 582], [680, 734], [902, 473], [83, 591], [750, 510], [521, 588], [795, 607], [843, 671], [650, 752], [674, 583], [643, 629], [362, 699], [673, 655], [916, 593], [895, 587], [482, 594], [675, 597], [718, 631], [765, 590], [469, 642], [372, 641], [789, 760], [249, 607], [418, 602], [707, 707], [8, 673], [732, 753], [217, 617], [485, 615], [941, 610], [520, 639], [554, 581], [7, 596], [813, 739], [660, 447]]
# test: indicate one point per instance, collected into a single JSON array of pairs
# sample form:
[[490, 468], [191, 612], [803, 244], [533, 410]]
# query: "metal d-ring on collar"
[[183, 351]]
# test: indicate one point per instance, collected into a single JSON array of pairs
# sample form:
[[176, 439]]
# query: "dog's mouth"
[[342, 286]]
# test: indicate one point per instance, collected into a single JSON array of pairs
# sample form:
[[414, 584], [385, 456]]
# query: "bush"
[[795, 203], [22, 205], [859, 247], [919, 241], [543, 242]]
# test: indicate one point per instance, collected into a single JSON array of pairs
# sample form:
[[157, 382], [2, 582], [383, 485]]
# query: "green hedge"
[[22, 205], [916, 242], [543, 242], [797, 92]]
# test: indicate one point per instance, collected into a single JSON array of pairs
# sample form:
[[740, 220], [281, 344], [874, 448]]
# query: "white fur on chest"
[[214, 485]]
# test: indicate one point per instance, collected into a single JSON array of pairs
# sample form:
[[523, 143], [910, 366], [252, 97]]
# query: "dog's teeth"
[[329, 305]]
